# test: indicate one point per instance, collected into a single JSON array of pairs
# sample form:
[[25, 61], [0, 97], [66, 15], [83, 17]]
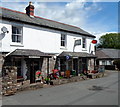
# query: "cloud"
[[18, 6], [74, 13], [59, 0]]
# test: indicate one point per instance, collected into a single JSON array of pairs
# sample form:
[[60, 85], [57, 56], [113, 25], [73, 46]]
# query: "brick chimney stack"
[[30, 10]]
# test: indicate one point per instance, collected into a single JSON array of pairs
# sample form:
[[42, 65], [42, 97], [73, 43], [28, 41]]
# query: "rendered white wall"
[[45, 40], [5, 42]]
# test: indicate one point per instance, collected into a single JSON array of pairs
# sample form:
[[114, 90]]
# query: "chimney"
[[30, 10]]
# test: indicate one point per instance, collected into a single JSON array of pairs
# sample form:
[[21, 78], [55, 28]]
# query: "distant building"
[[34, 43], [106, 57]]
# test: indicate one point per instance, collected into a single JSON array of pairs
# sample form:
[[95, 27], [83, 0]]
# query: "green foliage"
[[47, 79], [111, 40], [60, 77]]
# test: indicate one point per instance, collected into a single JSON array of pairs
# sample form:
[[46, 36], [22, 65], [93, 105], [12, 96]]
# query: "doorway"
[[84, 64], [34, 66], [75, 65]]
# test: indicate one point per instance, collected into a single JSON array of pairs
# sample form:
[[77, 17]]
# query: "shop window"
[[63, 40], [103, 63], [17, 34], [83, 42]]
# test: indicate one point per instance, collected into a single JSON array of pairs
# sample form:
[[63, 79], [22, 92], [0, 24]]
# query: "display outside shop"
[[38, 76]]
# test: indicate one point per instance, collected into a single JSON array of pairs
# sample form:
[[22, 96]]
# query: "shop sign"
[[75, 57], [34, 56], [94, 41], [77, 42], [67, 57]]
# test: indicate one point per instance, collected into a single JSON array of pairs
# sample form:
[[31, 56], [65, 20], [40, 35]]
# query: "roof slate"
[[22, 17], [108, 53], [28, 52], [76, 54]]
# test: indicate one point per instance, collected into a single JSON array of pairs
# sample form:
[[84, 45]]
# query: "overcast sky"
[[94, 17]]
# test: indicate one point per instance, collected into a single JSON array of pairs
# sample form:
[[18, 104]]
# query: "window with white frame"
[[63, 40], [83, 42], [16, 34], [103, 62]]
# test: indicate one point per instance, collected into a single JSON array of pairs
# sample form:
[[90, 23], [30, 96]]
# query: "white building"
[[36, 43], [106, 57]]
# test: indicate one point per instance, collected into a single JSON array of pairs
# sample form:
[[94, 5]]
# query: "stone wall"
[[1, 63], [91, 64], [44, 67], [9, 80], [51, 65]]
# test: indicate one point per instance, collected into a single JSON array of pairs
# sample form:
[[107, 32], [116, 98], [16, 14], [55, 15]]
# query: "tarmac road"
[[101, 91]]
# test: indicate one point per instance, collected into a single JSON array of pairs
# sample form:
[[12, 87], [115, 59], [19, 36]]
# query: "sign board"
[[94, 41], [67, 57], [34, 56], [75, 57], [77, 42]]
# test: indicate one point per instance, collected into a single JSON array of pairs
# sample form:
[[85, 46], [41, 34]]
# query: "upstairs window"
[[83, 42], [63, 40], [17, 34]]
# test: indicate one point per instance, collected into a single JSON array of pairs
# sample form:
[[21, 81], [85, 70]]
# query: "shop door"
[[33, 68], [80, 66], [84, 64], [62, 65], [75, 65]]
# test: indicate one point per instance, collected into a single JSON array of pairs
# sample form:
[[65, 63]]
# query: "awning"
[[77, 54], [29, 53]]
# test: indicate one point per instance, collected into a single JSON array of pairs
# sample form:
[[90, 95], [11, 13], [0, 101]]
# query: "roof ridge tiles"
[[12, 10], [52, 23], [40, 17]]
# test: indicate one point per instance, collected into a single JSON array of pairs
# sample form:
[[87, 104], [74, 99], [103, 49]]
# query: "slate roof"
[[108, 53], [76, 54], [28, 52], [38, 21]]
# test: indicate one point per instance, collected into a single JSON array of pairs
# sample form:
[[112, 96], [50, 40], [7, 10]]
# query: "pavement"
[[101, 91]]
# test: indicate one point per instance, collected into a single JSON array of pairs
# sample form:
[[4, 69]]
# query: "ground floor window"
[[103, 62], [106, 62]]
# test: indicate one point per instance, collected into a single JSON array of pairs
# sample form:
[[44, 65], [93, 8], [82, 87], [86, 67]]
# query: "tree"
[[111, 40]]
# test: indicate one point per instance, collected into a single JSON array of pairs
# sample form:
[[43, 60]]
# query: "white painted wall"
[[105, 62], [45, 40], [23, 69], [5, 46]]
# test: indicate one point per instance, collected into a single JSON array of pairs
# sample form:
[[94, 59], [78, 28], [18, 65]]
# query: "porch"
[[76, 62]]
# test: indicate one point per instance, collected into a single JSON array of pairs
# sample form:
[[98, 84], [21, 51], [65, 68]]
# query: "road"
[[102, 91]]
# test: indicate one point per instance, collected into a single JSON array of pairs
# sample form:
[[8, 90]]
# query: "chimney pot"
[[30, 3], [30, 10]]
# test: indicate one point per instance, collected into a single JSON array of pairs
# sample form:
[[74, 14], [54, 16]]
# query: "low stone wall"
[[68, 80], [96, 75], [25, 85]]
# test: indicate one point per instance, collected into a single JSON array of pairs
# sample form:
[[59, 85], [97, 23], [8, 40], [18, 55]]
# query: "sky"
[[94, 16]]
